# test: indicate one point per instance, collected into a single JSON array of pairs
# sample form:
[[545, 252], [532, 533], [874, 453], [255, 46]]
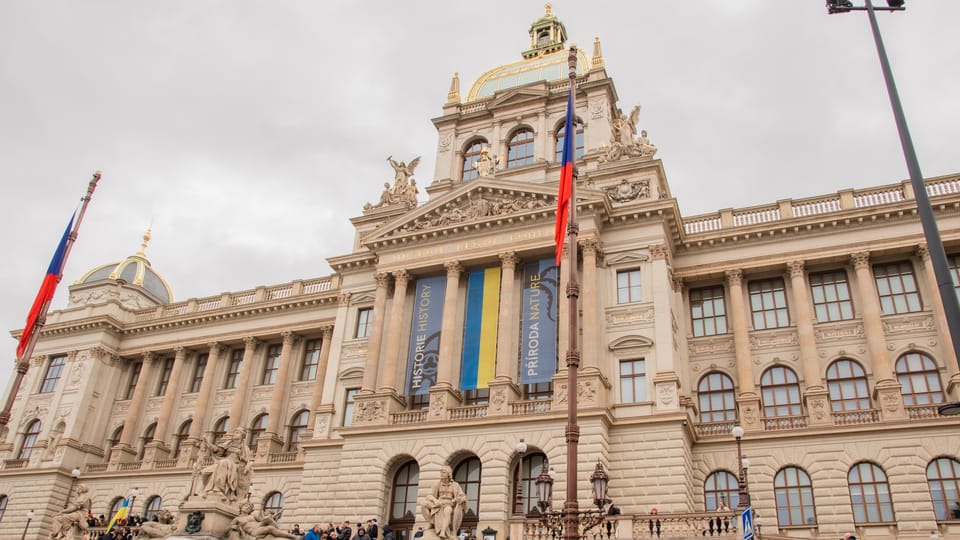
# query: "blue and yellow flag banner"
[[121, 513], [538, 326], [424, 353], [480, 329]]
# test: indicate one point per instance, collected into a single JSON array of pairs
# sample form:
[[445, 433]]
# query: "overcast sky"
[[248, 132]]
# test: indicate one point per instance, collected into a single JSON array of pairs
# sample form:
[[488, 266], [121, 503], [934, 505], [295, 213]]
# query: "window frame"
[[406, 482], [271, 364], [257, 429], [215, 433], [183, 433], [892, 278], [521, 148], [4, 500], [834, 293], [698, 301], [579, 143], [198, 368], [273, 503], [948, 491], [311, 359], [625, 293], [29, 442], [637, 381], [793, 484], [153, 506], [953, 265], [761, 293], [233, 369], [524, 483], [136, 370], [910, 379], [364, 323], [52, 374], [728, 397], [164, 380], [296, 430], [774, 407], [349, 402], [469, 474], [880, 490], [471, 154], [839, 380], [716, 486]]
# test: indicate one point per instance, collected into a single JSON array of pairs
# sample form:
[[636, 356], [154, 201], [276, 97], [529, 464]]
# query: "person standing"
[[373, 529], [313, 534]]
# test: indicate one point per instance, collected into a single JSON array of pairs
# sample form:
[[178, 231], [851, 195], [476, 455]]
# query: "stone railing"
[[408, 417], [96, 467], [15, 463], [93, 533], [282, 457], [167, 463], [784, 423], [534, 406], [241, 298], [923, 412], [465, 413], [851, 418], [826, 204], [714, 429], [680, 525], [131, 466]]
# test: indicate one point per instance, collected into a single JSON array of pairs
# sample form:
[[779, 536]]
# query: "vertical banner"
[[480, 329], [538, 326], [424, 354]]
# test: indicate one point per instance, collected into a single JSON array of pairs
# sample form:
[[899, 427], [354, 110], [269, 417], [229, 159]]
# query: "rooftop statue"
[[624, 141], [486, 164], [404, 189]]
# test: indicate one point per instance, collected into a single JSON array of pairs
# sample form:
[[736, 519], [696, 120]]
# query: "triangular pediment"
[[626, 257], [480, 203], [630, 342], [519, 95]]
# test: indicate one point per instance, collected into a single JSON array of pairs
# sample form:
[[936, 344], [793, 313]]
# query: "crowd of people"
[[369, 530]]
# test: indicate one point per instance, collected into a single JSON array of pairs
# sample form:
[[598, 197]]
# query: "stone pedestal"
[[592, 389], [818, 406], [886, 394], [502, 394], [666, 387], [749, 405], [122, 453], [376, 408], [217, 517], [155, 450], [442, 399]]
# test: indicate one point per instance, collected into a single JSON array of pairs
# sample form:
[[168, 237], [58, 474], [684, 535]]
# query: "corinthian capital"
[[453, 269], [382, 279], [860, 260], [796, 268], [400, 279], [509, 259], [734, 277]]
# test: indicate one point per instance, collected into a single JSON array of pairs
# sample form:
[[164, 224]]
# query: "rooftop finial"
[[453, 96], [597, 60], [143, 246], [548, 7]]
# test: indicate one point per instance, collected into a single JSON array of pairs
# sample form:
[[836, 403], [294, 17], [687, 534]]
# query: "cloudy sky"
[[248, 132]]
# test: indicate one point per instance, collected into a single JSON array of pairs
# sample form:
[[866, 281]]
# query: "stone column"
[[316, 398], [940, 316], [666, 382], [158, 448], [748, 400], [124, 450], [543, 139], [388, 381], [503, 388], [242, 391], [815, 394], [274, 436], [590, 305], [372, 364], [563, 317], [886, 392], [496, 144], [444, 395], [203, 396]]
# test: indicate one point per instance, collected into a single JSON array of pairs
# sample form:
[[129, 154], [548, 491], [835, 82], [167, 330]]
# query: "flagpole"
[[23, 363]]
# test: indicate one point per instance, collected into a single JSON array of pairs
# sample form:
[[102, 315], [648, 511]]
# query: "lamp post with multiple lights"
[[557, 521], [743, 492], [938, 257]]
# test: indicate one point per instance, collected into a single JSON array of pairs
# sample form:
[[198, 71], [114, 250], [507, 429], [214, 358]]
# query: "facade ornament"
[[598, 109], [453, 96], [796, 269], [498, 399], [343, 299], [254, 525], [624, 142], [382, 279], [597, 60], [487, 163], [71, 522], [445, 140], [509, 259], [659, 252], [860, 260], [404, 190], [230, 474], [161, 528], [453, 269], [444, 506], [400, 279], [590, 246], [472, 209], [923, 252], [370, 411], [628, 191], [734, 277]]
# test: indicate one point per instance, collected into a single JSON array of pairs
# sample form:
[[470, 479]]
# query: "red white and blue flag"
[[566, 178], [47, 288]]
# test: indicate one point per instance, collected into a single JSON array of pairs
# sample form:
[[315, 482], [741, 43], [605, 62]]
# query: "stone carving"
[[818, 407], [598, 108], [370, 411], [624, 141], [194, 519], [71, 522], [586, 392], [710, 346], [908, 324], [891, 402], [444, 506], [498, 399], [750, 414], [624, 317], [839, 331], [445, 141], [160, 528], [250, 525], [230, 473], [404, 190], [53, 441], [436, 406], [773, 339], [487, 163], [627, 191], [666, 394], [76, 373], [475, 208]]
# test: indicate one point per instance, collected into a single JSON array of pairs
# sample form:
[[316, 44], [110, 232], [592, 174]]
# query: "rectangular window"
[[233, 370], [831, 296], [708, 314], [198, 373], [953, 261], [311, 359], [768, 302], [536, 391], [54, 370], [364, 321], [348, 406], [165, 377], [633, 381], [897, 288], [419, 402], [134, 376], [628, 286], [480, 396], [271, 364]]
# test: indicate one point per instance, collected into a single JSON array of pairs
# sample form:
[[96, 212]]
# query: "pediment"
[[626, 257], [481, 203], [630, 342], [519, 95]]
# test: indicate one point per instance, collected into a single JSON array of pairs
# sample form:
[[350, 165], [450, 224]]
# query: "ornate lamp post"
[[586, 519], [74, 474], [134, 493], [742, 464], [30, 515]]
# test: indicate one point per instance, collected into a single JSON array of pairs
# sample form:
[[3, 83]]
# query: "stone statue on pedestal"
[[250, 525], [444, 506], [71, 522]]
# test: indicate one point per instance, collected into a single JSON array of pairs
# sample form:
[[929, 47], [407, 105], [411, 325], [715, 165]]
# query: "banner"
[[538, 326], [480, 329], [424, 354]]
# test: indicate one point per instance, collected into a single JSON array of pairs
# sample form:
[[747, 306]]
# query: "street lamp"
[[938, 257], [586, 519], [134, 493], [30, 515], [742, 463], [74, 474]]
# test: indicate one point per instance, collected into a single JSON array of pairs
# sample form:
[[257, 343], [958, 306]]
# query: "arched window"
[[467, 475], [273, 503], [153, 506], [520, 148], [525, 481], [297, 427], [403, 500], [869, 494], [794, 494], [181, 437], [721, 486], [847, 383], [781, 392], [114, 507], [470, 156], [943, 478], [257, 429], [717, 399], [219, 429], [578, 145], [3, 506], [919, 380], [112, 442], [146, 439], [29, 440]]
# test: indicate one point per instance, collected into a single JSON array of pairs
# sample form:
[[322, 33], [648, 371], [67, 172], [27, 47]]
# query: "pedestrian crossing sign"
[[746, 519]]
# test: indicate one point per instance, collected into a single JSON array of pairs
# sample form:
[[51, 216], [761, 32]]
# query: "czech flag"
[[566, 177], [47, 288], [121, 513]]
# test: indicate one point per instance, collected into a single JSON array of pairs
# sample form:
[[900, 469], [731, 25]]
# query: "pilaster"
[[372, 365]]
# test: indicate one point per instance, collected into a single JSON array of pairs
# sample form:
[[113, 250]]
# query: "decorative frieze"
[[769, 340], [711, 346], [835, 332], [908, 323], [476, 206], [621, 316]]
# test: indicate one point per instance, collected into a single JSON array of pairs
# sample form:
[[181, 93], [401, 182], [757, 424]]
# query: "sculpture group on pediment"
[[627, 191], [476, 207], [624, 141], [404, 190]]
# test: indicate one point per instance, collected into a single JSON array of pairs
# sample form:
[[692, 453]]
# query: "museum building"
[[814, 324]]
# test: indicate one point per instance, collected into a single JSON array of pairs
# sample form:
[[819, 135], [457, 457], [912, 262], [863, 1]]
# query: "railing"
[[277, 293], [465, 413], [131, 466], [408, 417], [531, 407], [96, 467], [784, 423], [207, 305], [282, 457], [15, 463], [168, 463], [852, 418], [922, 412], [315, 286], [244, 299], [714, 429], [813, 206], [720, 524], [93, 533]]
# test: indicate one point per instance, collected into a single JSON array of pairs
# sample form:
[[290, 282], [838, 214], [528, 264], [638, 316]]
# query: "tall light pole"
[[30, 515], [941, 270], [74, 474], [742, 463], [134, 493]]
